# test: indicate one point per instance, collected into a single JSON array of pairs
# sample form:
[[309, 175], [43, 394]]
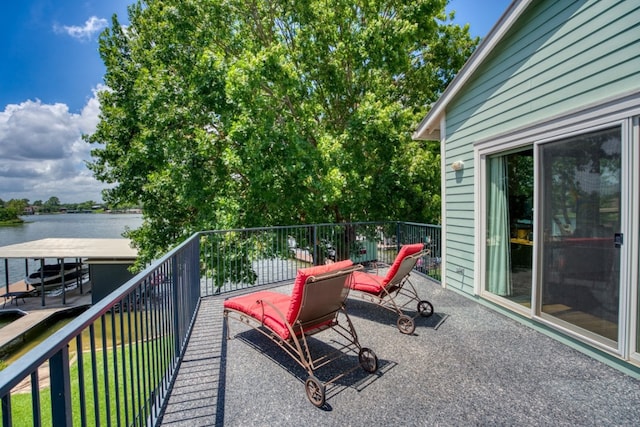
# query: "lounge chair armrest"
[[278, 312]]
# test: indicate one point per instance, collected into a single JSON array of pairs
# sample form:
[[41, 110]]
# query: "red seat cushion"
[[250, 305], [289, 306], [374, 284], [366, 282]]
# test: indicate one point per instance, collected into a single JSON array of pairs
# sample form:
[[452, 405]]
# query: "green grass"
[[11, 222], [118, 398]]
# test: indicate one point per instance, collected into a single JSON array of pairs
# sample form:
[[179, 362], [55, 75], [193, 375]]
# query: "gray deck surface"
[[466, 365]]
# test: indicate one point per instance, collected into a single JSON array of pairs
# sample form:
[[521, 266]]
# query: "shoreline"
[[12, 222], [21, 221]]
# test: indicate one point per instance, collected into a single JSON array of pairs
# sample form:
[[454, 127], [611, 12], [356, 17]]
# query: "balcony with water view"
[[157, 351]]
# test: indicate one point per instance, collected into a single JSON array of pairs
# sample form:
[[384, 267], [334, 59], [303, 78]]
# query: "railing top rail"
[[286, 227], [420, 224]]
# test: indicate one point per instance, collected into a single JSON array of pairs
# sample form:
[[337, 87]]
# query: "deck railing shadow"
[[202, 382]]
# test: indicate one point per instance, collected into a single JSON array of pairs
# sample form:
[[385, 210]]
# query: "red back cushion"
[[405, 251], [301, 278]]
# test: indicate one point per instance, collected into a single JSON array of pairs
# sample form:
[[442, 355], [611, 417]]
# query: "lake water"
[[36, 227]]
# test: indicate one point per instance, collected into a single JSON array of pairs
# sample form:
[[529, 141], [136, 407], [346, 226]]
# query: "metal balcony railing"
[[237, 259], [115, 363]]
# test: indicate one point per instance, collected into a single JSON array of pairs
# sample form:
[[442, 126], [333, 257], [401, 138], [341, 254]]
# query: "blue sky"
[[49, 71]]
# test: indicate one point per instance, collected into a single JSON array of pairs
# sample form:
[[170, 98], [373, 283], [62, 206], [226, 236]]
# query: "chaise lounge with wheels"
[[394, 291], [316, 304]]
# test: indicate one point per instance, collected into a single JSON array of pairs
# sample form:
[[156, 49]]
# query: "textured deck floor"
[[466, 365]]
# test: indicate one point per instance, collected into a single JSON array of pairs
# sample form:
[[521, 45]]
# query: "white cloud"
[[43, 153], [92, 26]]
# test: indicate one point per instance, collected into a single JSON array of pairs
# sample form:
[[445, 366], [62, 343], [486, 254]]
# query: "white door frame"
[[621, 111]]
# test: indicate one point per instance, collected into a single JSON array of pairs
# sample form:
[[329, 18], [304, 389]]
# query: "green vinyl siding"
[[457, 199], [549, 66], [558, 57]]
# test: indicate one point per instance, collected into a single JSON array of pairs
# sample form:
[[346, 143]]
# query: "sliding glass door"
[[580, 196], [559, 226], [509, 226]]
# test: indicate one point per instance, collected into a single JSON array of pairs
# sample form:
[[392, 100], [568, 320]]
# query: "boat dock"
[[33, 314], [35, 307]]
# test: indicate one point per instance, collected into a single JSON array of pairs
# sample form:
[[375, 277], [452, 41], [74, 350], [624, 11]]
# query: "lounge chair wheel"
[[425, 308], [315, 391], [368, 360], [406, 324]]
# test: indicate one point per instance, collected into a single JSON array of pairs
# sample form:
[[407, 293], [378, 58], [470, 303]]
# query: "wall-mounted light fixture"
[[457, 165]]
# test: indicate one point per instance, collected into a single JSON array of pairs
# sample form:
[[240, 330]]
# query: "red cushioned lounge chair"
[[394, 291], [317, 299]]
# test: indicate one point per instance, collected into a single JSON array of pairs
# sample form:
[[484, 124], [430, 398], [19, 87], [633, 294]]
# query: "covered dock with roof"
[[108, 261]]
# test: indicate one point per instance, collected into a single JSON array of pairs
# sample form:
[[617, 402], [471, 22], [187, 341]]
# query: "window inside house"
[[580, 184], [510, 226]]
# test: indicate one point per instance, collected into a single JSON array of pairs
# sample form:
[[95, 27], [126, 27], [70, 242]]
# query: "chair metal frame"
[[323, 302], [398, 286]]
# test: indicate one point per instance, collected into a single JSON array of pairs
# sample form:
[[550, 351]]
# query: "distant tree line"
[[12, 209], [53, 205]]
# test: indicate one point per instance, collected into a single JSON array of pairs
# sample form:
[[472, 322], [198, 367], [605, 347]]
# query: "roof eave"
[[430, 125]]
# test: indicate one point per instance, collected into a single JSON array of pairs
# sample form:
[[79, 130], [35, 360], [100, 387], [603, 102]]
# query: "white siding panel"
[[463, 247]]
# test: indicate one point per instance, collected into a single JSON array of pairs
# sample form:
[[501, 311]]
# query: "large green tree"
[[238, 113]]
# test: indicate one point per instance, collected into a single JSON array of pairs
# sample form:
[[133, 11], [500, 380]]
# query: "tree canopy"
[[235, 113], [10, 211]]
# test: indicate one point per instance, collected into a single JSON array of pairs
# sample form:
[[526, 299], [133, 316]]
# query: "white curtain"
[[498, 238]]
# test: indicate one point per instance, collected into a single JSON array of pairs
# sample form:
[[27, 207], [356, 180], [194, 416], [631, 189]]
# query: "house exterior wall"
[[559, 57]]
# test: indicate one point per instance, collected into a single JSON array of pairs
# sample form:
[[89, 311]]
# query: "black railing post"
[[35, 400], [316, 255], [79, 262], [60, 388], [176, 304], [64, 287], [195, 271], [6, 410], [6, 273], [42, 280], [398, 239]]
